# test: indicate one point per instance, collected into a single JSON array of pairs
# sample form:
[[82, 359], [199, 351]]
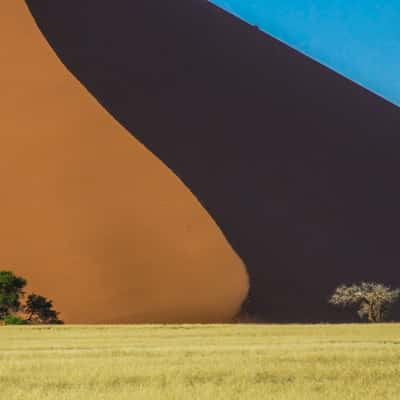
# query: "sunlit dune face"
[[88, 215]]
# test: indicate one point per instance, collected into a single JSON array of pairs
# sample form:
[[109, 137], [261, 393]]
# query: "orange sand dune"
[[88, 215]]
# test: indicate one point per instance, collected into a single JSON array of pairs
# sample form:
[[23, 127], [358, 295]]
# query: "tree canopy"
[[373, 300], [11, 292], [40, 310]]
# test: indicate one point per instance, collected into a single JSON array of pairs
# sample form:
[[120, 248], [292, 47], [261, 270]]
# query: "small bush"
[[40, 310], [14, 320]]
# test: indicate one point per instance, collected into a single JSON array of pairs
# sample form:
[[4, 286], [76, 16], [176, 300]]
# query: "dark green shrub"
[[14, 320], [40, 310]]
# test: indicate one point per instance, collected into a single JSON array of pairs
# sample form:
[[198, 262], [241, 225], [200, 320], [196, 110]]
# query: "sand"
[[88, 215]]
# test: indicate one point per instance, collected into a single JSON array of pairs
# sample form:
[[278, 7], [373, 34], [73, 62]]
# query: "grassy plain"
[[213, 362]]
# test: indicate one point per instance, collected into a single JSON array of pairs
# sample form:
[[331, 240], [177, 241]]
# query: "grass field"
[[200, 362]]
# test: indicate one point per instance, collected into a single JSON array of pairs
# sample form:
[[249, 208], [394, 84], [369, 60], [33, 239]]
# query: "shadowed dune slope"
[[297, 165], [88, 215]]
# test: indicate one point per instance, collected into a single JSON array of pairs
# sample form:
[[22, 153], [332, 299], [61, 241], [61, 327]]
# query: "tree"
[[11, 292], [40, 310], [372, 299]]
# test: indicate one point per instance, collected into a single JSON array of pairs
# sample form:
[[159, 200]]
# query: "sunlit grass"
[[201, 362]]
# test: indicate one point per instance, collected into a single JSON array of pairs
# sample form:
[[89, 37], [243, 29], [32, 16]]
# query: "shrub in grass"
[[14, 320]]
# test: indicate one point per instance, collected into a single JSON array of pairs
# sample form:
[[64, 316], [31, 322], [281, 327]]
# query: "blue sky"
[[360, 39]]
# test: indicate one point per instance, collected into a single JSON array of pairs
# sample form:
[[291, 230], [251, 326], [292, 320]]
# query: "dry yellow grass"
[[201, 362]]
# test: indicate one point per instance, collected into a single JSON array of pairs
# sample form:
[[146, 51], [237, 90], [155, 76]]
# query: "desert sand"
[[88, 215]]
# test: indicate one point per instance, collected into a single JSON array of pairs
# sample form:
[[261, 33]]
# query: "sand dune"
[[297, 165], [88, 215]]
